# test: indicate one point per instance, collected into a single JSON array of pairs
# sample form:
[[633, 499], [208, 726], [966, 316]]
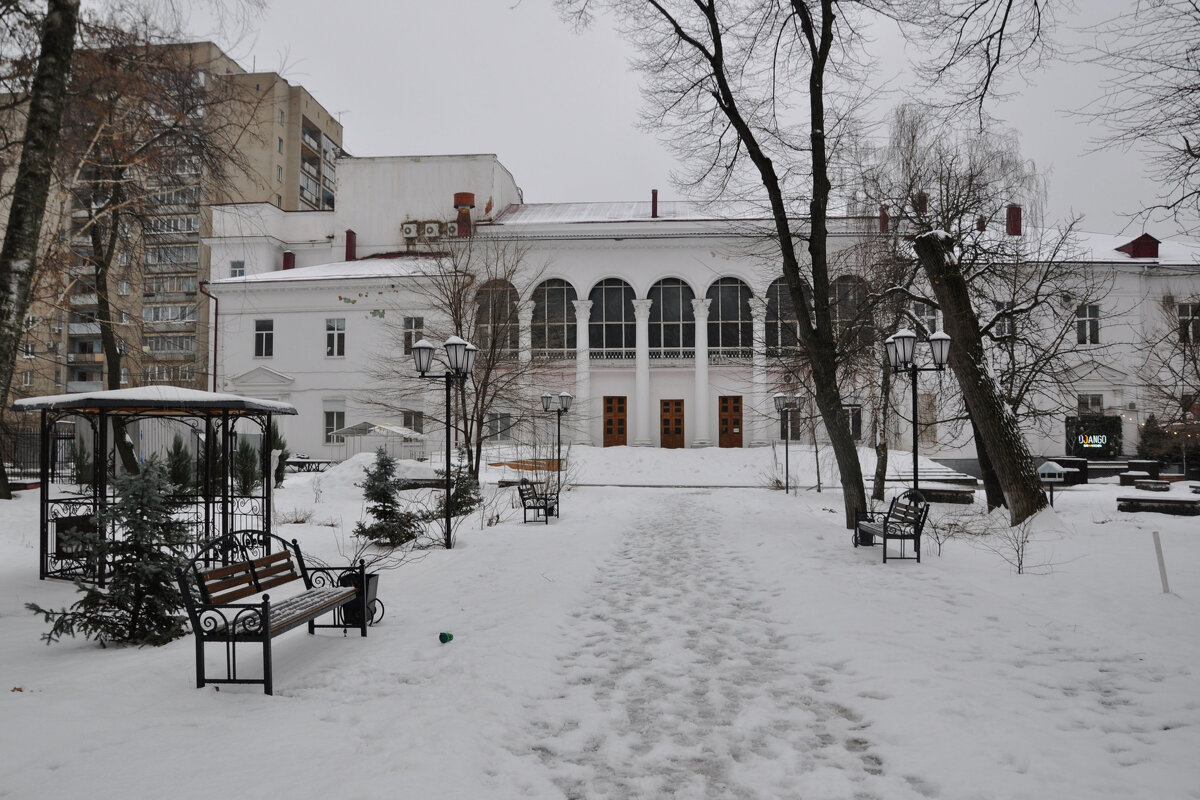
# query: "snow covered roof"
[[1106, 247], [376, 428], [632, 211], [382, 268], [160, 399]]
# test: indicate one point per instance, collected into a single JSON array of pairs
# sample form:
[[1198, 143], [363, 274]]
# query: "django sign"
[[1095, 437]]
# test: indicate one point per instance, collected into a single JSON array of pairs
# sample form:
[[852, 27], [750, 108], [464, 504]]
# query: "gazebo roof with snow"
[[155, 400]]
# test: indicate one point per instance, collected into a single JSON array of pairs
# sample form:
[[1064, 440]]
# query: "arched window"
[[730, 328], [554, 319], [672, 323], [496, 323], [847, 306], [781, 318], [612, 331]]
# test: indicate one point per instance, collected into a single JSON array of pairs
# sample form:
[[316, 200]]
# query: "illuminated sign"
[[1093, 440]]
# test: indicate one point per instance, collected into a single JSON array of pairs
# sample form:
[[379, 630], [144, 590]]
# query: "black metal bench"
[[542, 504], [904, 521], [223, 572]]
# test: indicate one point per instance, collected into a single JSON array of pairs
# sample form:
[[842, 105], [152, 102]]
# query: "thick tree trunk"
[[992, 419], [18, 256], [991, 485], [103, 253]]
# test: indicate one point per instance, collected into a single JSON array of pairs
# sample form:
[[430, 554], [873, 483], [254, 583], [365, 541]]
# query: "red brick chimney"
[[981, 223], [654, 204], [289, 259], [921, 202], [351, 245], [1012, 220], [464, 202]]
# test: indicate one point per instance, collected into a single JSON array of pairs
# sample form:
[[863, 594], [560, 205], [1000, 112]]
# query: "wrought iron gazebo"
[[208, 422]]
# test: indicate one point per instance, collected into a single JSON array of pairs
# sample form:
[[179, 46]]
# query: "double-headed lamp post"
[[564, 405], [900, 347], [784, 404], [460, 360]]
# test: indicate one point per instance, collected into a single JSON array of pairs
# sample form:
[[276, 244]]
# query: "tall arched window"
[[672, 323], [496, 323], [730, 327], [612, 331], [781, 318], [553, 319], [847, 306]]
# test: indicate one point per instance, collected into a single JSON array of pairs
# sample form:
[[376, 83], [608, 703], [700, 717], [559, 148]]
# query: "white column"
[[761, 430], [525, 331], [702, 424], [641, 377], [582, 413]]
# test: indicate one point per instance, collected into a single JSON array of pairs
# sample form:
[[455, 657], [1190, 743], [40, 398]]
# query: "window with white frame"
[[124, 374], [335, 338], [413, 420], [925, 316], [1189, 323], [237, 269], [123, 287], [264, 338], [414, 331], [27, 378], [1090, 403], [169, 313], [499, 427], [1004, 326], [334, 420], [1087, 324], [27, 349]]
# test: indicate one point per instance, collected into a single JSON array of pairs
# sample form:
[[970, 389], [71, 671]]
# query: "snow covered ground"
[[689, 642]]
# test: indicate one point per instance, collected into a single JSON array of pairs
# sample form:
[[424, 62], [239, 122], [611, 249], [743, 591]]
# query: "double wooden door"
[[729, 421], [670, 424], [615, 421]]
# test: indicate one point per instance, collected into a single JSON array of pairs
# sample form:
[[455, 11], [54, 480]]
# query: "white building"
[[663, 321]]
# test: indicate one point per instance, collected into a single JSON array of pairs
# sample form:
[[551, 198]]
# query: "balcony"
[[310, 139], [83, 299], [83, 329], [75, 387], [85, 358]]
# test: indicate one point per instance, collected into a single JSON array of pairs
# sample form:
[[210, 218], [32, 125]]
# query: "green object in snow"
[[445, 637]]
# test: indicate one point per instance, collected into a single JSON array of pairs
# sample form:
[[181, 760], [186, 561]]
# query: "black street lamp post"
[[564, 405], [900, 346], [460, 360], [784, 404]]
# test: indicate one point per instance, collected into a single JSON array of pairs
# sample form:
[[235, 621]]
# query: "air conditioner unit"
[[70, 358], [56, 329], [409, 230], [432, 230], [452, 229]]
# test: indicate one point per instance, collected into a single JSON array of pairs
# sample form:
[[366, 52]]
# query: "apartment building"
[[282, 147]]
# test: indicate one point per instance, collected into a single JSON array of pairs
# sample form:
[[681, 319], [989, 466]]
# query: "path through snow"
[[680, 683]]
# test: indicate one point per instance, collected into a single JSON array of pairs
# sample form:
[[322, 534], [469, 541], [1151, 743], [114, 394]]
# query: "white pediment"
[[263, 376]]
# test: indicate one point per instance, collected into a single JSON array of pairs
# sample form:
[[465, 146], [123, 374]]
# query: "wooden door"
[[614, 421], [729, 420], [670, 424]]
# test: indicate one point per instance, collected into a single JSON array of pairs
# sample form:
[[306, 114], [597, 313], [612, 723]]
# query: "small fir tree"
[[391, 525], [81, 462], [179, 465], [247, 469], [1154, 443], [141, 602], [465, 496]]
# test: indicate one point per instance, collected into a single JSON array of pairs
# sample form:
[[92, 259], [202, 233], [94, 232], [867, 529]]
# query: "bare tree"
[[19, 253], [1170, 373], [1010, 302], [1151, 101], [472, 290]]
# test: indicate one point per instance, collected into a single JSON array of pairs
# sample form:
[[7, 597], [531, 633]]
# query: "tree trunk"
[[18, 256], [991, 485], [103, 255], [992, 419], [880, 433]]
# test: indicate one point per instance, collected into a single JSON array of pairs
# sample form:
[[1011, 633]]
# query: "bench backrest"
[[245, 578], [909, 508], [527, 491]]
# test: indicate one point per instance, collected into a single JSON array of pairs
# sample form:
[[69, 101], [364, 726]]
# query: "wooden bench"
[[1152, 485], [904, 521], [224, 571], [542, 504], [1178, 504]]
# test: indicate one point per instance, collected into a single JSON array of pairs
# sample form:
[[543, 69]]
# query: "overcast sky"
[[560, 108]]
